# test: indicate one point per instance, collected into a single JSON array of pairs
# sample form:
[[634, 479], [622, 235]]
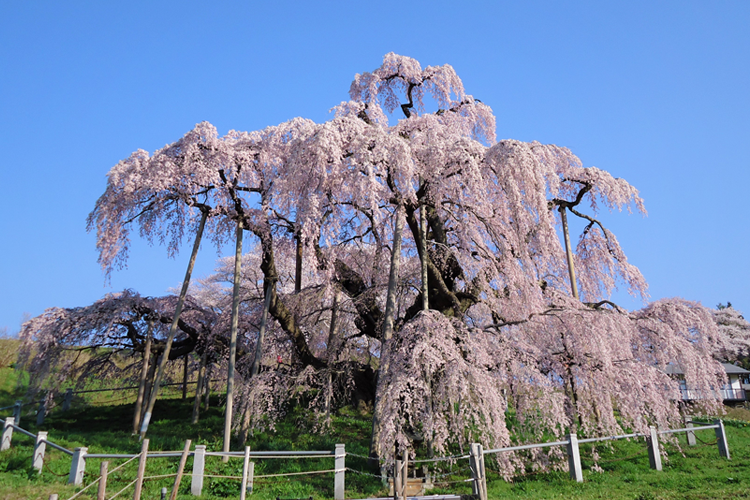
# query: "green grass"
[[104, 426], [690, 473]]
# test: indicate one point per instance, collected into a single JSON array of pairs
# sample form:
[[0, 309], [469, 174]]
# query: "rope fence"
[[398, 473]]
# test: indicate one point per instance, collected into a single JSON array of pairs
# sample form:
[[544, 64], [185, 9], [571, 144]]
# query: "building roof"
[[730, 368]]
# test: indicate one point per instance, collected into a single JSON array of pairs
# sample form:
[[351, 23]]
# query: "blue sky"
[[654, 92]]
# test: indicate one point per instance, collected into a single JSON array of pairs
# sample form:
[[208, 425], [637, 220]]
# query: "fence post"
[[574, 458], [7, 433], [245, 472], [482, 471], [250, 474], [654, 455], [101, 492], [17, 412], [40, 446], [199, 462], [141, 470], [473, 466], [721, 439], [180, 469], [78, 466], [405, 475], [476, 463], [340, 466], [397, 479], [68, 399], [689, 434], [40, 412]]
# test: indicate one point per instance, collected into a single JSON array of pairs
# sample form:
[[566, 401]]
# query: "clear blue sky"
[[655, 92]]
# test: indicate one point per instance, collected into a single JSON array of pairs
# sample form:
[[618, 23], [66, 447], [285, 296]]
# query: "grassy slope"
[[699, 474]]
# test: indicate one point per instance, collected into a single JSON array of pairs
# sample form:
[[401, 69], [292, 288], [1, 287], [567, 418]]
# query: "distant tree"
[[98, 341], [733, 343]]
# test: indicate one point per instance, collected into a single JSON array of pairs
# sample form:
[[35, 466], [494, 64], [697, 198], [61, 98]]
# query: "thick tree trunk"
[[173, 327], [233, 339], [142, 381], [388, 321], [569, 253]]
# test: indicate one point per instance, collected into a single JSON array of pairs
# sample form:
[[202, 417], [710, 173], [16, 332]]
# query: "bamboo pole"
[[173, 327], [233, 339]]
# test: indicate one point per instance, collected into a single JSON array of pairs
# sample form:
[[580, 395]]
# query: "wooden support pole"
[[423, 255], [180, 469], [41, 412], [340, 466], [141, 470], [7, 433], [68, 399], [185, 376], [78, 466], [574, 459], [721, 439], [101, 492], [138, 411], [37, 460], [234, 326], [199, 464], [173, 327], [207, 386], [199, 387], [17, 412], [654, 455]]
